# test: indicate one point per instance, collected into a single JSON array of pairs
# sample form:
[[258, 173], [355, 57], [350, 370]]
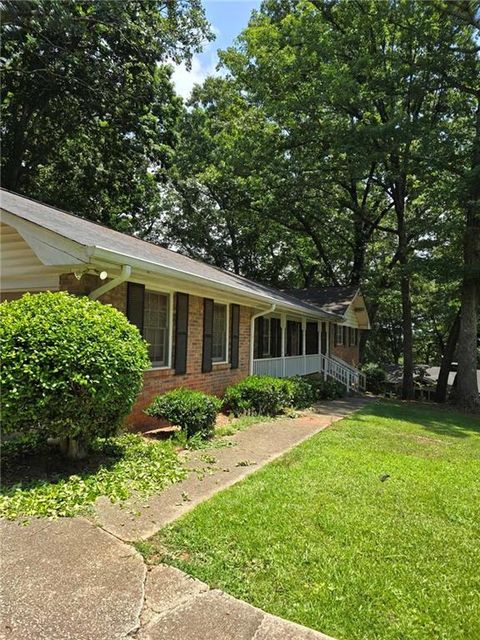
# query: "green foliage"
[[376, 377], [303, 392], [386, 557], [71, 367], [195, 412], [258, 395], [328, 389], [88, 104], [42, 484]]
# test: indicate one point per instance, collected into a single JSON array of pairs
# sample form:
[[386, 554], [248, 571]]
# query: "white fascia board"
[[248, 299], [51, 248]]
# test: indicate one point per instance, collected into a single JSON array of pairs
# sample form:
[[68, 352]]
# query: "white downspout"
[[252, 332], [124, 275]]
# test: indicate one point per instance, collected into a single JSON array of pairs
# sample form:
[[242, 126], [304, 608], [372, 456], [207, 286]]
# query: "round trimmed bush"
[[193, 411], [259, 395], [376, 377], [71, 367]]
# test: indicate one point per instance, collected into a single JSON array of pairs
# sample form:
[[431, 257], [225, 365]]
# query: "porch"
[[285, 347]]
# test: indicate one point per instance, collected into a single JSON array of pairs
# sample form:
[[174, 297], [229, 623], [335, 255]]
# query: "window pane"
[[155, 327], [219, 338]]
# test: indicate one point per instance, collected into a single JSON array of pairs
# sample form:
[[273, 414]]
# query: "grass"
[[369, 530], [38, 481]]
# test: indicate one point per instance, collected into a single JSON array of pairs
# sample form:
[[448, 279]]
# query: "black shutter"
[[345, 342], [207, 335], [234, 335], [181, 333], [135, 304], [276, 338], [289, 338]]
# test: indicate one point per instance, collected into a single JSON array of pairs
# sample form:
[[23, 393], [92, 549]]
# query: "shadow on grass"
[[439, 419], [34, 464]]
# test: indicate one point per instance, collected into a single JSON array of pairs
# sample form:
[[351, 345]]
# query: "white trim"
[[227, 331], [168, 360]]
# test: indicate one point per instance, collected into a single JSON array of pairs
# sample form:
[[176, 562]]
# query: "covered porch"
[[285, 346]]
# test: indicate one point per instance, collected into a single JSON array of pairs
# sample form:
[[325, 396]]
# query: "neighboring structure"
[[206, 328]]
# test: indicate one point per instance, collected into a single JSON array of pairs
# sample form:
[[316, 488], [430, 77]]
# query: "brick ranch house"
[[206, 328]]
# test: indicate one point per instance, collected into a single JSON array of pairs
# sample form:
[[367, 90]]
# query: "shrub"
[[71, 367], [376, 377], [258, 395], [303, 392], [328, 389], [193, 411]]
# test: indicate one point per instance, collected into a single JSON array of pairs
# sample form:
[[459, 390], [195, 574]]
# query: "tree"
[[87, 107]]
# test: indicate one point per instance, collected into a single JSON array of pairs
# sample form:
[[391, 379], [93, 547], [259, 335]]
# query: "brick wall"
[[158, 381], [215, 382], [349, 354]]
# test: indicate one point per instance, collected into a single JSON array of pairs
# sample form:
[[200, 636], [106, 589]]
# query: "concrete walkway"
[[71, 580], [249, 450]]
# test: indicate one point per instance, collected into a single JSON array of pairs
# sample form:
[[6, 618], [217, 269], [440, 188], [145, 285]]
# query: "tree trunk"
[[466, 394], [442, 382], [72, 448]]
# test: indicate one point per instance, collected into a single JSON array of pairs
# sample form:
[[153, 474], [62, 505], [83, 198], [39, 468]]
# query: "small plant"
[[328, 389], [193, 411], [71, 368], [258, 395], [376, 377]]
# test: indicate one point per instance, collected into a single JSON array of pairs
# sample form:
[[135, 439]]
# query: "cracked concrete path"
[[137, 519], [178, 607], [68, 579]]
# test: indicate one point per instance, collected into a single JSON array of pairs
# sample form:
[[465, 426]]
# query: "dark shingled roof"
[[92, 234], [331, 299]]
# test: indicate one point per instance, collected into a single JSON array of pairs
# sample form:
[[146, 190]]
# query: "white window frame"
[[339, 337], [169, 295], [227, 331]]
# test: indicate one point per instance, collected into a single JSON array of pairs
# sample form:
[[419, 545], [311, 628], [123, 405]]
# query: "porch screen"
[[294, 338], [312, 338], [268, 338]]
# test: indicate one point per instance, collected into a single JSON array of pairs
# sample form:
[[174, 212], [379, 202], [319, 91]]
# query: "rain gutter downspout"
[[124, 275], [252, 331]]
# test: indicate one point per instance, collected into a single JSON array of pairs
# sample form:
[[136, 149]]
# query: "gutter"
[[124, 275], [252, 331], [142, 264]]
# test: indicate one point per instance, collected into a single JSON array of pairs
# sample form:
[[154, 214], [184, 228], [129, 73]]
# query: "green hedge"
[[71, 367], [266, 395], [258, 395], [193, 411]]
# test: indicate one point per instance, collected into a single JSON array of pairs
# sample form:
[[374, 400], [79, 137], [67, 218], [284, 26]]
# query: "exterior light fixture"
[[103, 275]]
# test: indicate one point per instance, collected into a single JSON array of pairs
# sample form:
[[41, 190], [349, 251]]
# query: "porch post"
[[319, 345], [283, 326], [304, 344], [327, 350]]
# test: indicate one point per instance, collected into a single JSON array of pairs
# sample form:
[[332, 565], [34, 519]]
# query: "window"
[[219, 338], [352, 337], [294, 338], [338, 334], [155, 327]]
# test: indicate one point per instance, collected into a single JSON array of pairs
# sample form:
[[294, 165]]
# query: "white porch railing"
[[353, 379]]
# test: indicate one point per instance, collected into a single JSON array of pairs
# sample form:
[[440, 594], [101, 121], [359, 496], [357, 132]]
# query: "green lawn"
[[317, 537]]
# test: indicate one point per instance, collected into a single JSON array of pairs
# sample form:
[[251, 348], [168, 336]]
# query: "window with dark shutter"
[[181, 333], [207, 335], [235, 336], [135, 304]]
